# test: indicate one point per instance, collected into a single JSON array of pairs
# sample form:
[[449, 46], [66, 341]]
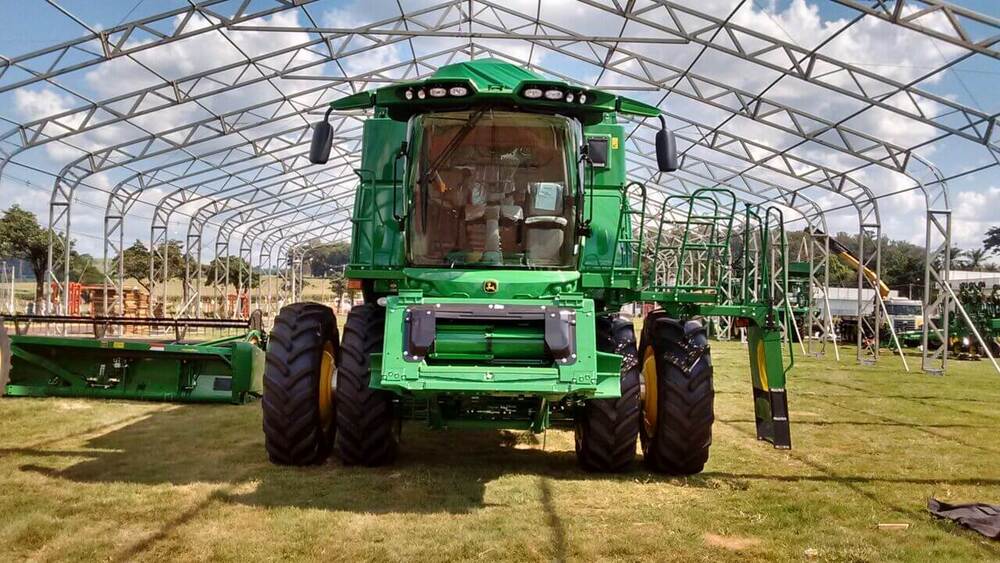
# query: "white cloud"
[[35, 104], [973, 212]]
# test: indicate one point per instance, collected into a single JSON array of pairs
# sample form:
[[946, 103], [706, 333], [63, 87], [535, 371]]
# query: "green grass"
[[132, 481]]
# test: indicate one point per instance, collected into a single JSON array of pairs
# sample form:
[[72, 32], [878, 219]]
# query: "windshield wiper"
[[452, 146]]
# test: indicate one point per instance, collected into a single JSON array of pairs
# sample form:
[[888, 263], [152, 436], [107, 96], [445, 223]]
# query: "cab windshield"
[[898, 309], [492, 189]]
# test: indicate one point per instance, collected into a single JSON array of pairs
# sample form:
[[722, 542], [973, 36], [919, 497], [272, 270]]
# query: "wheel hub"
[[326, 385], [648, 391]]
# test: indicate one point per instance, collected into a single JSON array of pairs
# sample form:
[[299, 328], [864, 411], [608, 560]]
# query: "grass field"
[[127, 481]]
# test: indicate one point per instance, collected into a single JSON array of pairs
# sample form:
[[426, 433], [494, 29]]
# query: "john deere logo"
[[490, 286]]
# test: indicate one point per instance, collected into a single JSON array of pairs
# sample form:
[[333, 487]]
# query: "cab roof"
[[493, 83]]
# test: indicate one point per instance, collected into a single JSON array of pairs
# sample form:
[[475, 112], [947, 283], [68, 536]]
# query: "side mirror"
[[666, 150], [319, 151]]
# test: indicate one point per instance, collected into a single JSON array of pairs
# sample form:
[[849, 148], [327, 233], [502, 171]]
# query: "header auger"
[[496, 239]]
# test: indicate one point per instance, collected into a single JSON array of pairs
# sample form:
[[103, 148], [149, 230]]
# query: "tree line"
[[23, 237]]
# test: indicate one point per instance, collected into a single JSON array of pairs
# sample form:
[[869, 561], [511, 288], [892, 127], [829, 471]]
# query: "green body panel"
[[767, 374], [909, 338], [377, 242], [602, 205], [593, 374], [226, 371], [488, 343], [511, 284]]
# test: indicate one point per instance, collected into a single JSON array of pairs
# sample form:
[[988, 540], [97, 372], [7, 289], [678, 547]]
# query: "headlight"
[[458, 91], [421, 94], [965, 341], [438, 92], [554, 94], [583, 98], [533, 93], [408, 94], [569, 97]]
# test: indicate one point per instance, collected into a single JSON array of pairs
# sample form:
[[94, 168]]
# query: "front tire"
[[298, 397], [368, 426], [678, 395], [607, 429]]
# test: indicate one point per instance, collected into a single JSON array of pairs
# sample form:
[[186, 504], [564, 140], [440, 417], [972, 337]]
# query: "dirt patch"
[[732, 543], [73, 406]]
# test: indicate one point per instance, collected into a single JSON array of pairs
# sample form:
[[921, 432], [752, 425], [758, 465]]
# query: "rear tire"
[[678, 396], [368, 426], [298, 422], [607, 429]]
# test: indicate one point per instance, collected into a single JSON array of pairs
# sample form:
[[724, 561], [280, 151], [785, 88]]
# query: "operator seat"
[[544, 224]]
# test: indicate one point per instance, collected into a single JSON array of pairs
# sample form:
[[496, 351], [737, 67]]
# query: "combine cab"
[[496, 239]]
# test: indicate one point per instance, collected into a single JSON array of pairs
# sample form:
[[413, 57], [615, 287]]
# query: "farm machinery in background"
[[886, 320], [900, 318], [495, 239], [982, 305], [183, 360], [973, 320]]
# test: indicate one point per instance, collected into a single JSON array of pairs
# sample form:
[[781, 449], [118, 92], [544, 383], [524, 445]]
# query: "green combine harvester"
[[982, 304], [495, 239], [171, 366]]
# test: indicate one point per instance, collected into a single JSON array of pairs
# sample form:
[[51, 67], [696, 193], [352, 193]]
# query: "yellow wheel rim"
[[326, 368], [761, 366], [649, 404]]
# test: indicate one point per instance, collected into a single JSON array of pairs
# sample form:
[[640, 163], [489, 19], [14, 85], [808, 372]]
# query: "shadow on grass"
[[437, 471]]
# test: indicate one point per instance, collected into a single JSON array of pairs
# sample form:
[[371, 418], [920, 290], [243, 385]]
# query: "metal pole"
[[892, 331], [833, 333]]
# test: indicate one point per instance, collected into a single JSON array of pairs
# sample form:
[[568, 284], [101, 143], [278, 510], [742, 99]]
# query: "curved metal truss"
[[216, 147]]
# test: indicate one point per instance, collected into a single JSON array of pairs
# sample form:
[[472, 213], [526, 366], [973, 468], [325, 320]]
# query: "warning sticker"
[[546, 196], [614, 143]]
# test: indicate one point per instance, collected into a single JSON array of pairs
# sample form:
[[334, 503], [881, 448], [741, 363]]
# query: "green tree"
[[902, 265], [135, 261], [21, 236], [324, 259], [992, 241], [84, 269], [338, 285], [955, 258], [216, 269], [975, 258]]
